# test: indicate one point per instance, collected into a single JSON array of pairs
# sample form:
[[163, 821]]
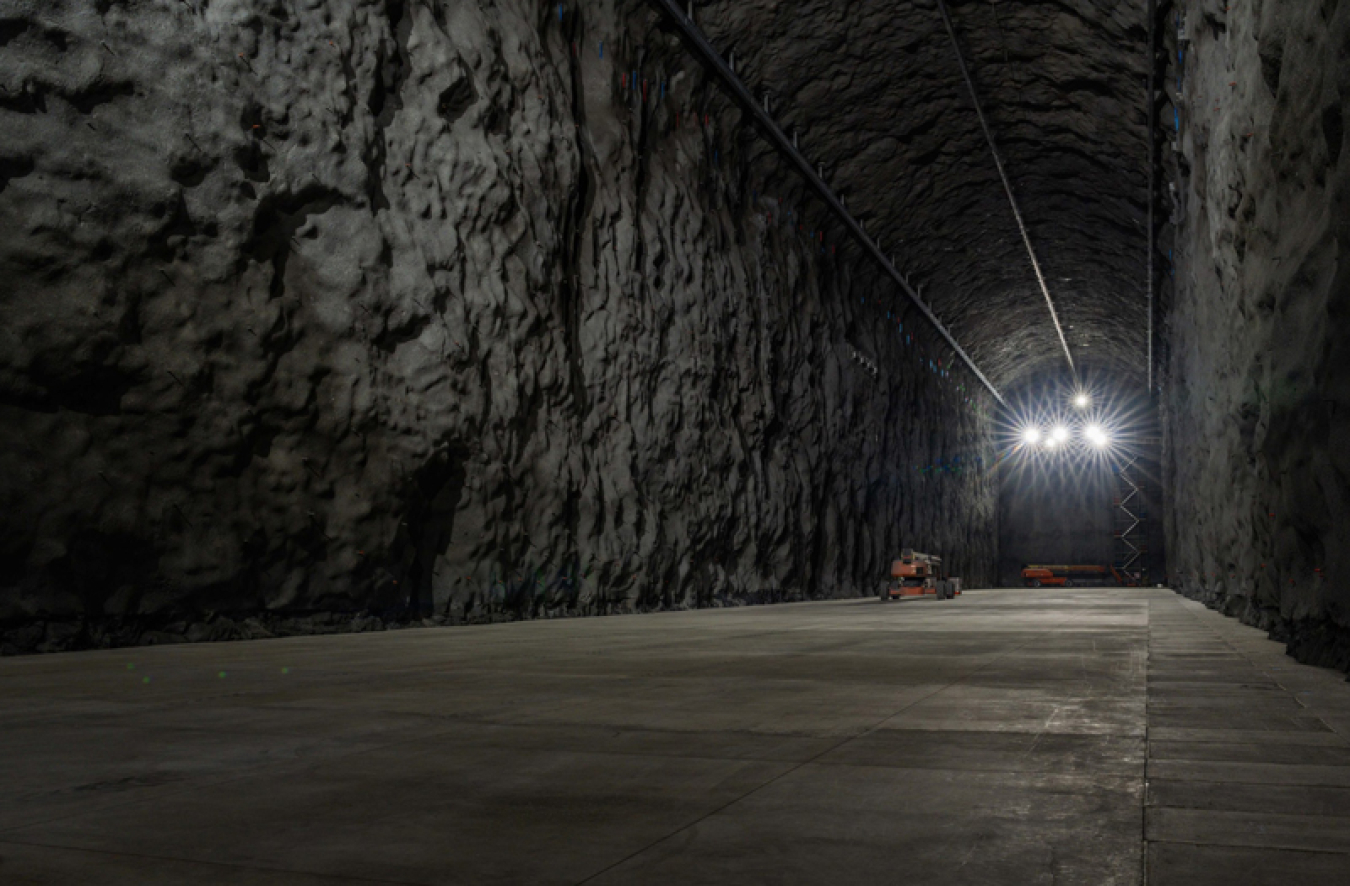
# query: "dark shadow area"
[[1079, 481]]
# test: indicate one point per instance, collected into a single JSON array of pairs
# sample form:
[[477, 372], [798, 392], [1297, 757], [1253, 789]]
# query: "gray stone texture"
[[1258, 375], [326, 314], [337, 314], [875, 89]]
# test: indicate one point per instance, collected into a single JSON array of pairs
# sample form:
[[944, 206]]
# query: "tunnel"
[[653, 441]]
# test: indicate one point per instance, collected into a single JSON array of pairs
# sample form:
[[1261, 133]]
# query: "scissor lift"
[[1131, 515]]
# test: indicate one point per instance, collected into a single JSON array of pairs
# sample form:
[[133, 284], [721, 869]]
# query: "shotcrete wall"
[[1054, 510], [333, 314], [1257, 402]]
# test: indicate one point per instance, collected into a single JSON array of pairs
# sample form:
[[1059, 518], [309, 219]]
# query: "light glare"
[[1059, 434], [1031, 436], [1096, 436], [1082, 401]]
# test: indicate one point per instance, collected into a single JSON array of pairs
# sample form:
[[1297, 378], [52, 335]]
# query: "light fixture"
[[1031, 436], [1059, 435], [1082, 400], [1096, 436]]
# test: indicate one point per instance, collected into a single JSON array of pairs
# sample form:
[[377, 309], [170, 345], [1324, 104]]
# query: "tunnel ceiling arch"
[[876, 93]]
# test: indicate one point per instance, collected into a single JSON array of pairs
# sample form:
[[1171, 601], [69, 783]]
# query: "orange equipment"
[[1065, 576], [918, 575]]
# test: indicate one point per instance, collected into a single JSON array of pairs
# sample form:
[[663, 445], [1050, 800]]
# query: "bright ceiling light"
[[1059, 435], [1096, 436], [1082, 401], [1031, 436]]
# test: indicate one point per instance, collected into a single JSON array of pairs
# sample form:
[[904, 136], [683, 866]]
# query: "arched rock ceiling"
[[876, 92]]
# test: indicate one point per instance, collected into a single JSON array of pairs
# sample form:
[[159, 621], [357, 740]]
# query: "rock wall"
[[876, 93], [333, 314], [1062, 505], [1257, 405], [1054, 509]]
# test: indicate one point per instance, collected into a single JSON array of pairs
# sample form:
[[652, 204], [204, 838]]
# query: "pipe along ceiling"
[[878, 96]]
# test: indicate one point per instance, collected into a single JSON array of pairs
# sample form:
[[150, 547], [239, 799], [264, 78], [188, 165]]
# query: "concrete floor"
[[1022, 737]]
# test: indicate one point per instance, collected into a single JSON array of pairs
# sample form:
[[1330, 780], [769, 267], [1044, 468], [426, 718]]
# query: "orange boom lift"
[[1068, 576], [919, 575]]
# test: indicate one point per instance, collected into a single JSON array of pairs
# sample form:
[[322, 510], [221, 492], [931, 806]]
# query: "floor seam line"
[[228, 781], [218, 864], [1148, 756], [1254, 846], [808, 761]]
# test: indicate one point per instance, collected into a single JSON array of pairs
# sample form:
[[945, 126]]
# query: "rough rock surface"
[[337, 312], [1054, 509], [876, 92], [1258, 389]]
